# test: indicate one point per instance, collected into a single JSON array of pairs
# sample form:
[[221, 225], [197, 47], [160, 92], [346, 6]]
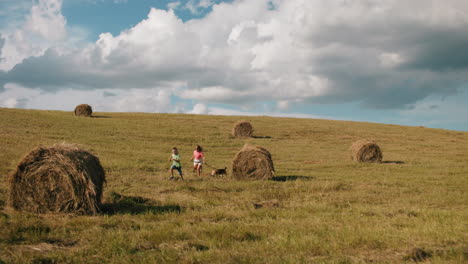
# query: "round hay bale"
[[83, 110], [253, 162], [242, 129], [59, 178], [366, 151]]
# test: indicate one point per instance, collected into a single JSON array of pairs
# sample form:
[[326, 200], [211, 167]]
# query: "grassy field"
[[331, 210]]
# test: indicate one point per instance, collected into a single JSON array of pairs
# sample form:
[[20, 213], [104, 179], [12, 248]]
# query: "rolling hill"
[[320, 208]]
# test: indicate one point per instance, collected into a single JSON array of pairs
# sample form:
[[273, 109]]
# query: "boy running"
[[175, 158]]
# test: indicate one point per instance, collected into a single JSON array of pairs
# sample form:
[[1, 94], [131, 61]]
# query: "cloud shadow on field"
[[121, 204], [291, 178]]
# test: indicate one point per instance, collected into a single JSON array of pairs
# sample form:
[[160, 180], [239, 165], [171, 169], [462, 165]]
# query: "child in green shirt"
[[175, 158]]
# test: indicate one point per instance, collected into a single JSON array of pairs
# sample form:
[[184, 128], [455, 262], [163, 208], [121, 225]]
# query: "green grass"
[[331, 209]]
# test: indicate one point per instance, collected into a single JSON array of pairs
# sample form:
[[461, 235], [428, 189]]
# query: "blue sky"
[[114, 16], [333, 59]]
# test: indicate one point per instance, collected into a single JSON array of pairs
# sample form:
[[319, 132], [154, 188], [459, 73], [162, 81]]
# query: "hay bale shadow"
[[261, 137], [121, 204], [100, 116], [291, 178], [44, 260], [393, 162]]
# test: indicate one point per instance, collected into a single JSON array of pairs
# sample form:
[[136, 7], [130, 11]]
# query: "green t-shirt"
[[176, 163]]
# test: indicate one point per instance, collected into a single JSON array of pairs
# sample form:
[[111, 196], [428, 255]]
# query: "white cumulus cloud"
[[390, 59], [43, 28], [199, 109], [382, 54], [173, 5], [196, 6]]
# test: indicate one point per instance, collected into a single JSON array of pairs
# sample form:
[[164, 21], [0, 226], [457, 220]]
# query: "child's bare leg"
[[199, 170]]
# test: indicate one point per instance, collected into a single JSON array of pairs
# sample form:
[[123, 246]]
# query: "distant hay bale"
[[83, 110], [253, 162], [59, 178], [242, 129], [366, 151]]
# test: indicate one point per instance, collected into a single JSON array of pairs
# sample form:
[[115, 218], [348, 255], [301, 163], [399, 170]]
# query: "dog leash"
[[209, 166]]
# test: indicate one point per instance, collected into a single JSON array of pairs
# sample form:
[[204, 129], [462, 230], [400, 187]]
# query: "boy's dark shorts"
[[179, 169]]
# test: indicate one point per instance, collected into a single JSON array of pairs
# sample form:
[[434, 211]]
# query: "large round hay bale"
[[366, 151], [242, 129], [83, 110], [253, 162], [59, 178]]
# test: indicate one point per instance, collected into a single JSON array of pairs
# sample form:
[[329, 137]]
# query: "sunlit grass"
[[331, 210]]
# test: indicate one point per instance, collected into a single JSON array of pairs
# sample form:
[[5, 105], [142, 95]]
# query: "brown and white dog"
[[219, 172]]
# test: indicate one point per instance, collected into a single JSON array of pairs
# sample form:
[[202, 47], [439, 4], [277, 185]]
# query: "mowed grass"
[[331, 210]]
